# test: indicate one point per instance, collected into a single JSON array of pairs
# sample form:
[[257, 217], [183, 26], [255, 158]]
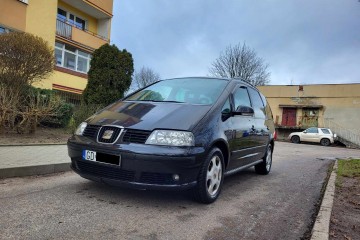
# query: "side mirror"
[[244, 111], [304, 131]]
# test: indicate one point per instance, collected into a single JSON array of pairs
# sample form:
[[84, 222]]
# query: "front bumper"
[[142, 166]]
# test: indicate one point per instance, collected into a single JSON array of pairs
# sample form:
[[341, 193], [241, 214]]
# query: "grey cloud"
[[307, 41]]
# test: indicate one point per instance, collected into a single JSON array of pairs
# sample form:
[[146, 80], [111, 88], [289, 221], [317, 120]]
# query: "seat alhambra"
[[183, 133]]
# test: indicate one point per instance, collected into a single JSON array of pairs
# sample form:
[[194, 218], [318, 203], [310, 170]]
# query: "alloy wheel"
[[214, 176]]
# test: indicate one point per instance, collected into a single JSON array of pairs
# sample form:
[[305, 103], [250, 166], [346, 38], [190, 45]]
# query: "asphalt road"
[[277, 206]]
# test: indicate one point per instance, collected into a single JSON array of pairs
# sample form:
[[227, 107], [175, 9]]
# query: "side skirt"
[[233, 171]]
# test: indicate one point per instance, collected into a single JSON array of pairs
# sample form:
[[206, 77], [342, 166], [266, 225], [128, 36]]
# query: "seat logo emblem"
[[107, 134]]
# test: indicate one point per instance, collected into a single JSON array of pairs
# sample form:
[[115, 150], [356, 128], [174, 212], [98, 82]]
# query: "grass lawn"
[[347, 168], [345, 221]]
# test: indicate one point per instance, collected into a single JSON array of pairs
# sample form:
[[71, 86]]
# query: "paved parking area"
[[277, 206]]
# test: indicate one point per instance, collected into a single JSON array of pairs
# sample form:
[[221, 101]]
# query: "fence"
[[68, 97]]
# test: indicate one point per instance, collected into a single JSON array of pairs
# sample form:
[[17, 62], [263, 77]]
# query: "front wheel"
[[210, 178], [265, 166], [295, 139]]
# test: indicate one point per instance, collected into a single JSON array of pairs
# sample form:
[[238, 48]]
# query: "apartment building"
[[74, 28]]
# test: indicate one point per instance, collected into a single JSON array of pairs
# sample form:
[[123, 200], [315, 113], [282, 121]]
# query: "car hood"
[[151, 115]]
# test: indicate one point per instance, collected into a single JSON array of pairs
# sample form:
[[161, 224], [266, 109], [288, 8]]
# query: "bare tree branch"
[[240, 61], [144, 77]]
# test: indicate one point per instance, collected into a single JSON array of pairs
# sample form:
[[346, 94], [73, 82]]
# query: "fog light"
[[176, 177]]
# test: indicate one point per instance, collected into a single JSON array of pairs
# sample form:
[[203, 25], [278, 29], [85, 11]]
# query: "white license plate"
[[89, 155]]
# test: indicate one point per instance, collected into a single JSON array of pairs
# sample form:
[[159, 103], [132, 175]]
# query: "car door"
[[262, 132], [311, 135], [242, 144]]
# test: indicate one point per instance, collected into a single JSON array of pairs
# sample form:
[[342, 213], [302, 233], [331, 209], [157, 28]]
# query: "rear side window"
[[312, 130], [257, 103], [325, 131], [241, 98]]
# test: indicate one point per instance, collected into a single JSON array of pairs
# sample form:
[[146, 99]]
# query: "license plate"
[[89, 155]]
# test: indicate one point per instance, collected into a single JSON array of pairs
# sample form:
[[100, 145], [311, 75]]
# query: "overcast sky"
[[303, 41]]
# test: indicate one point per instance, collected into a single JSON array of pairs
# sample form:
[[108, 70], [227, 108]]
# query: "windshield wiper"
[[162, 101], [148, 100]]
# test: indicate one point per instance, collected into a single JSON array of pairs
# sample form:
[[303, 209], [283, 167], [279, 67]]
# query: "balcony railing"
[[65, 29]]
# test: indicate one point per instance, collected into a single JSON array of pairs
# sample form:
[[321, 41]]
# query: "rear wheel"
[[325, 142], [295, 139], [265, 166], [210, 178]]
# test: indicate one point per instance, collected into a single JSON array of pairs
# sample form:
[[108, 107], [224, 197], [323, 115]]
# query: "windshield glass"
[[184, 90]]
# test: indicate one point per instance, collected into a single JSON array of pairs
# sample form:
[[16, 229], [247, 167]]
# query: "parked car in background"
[[177, 134], [324, 136]]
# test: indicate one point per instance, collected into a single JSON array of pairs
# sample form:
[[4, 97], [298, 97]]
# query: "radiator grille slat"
[[136, 136], [91, 131], [130, 136]]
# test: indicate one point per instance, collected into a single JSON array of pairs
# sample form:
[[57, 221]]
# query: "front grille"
[[103, 170], [114, 133], [156, 178], [136, 136], [91, 131]]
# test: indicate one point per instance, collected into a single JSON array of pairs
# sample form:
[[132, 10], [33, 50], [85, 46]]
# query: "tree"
[[24, 59], [109, 75], [242, 62], [145, 77]]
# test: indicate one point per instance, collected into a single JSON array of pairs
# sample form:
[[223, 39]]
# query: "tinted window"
[[186, 90], [257, 103], [241, 98], [312, 130]]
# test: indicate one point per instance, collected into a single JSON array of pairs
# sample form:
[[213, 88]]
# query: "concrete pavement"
[[19, 161]]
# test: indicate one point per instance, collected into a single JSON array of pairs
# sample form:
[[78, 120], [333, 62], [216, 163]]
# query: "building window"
[[71, 19], [72, 58]]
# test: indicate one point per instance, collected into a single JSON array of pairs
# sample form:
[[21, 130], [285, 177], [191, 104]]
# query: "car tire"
[[210, 178], [325, 142], [295, 139], [264, 167]]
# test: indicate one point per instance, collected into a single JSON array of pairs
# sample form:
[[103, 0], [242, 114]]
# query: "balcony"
[[99, 9], [83, 37], [106, 6]]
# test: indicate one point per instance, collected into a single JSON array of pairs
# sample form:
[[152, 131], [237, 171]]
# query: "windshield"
[[184, 90]]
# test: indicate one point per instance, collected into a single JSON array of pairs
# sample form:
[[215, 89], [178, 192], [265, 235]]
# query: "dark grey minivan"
[[179, 133]]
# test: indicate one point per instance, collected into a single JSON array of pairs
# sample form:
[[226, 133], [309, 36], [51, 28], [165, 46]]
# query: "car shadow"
[[233, 186]]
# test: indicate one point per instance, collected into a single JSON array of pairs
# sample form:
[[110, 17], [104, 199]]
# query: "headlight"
[[171, 138], [81, 128]]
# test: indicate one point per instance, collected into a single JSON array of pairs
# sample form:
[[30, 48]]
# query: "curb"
[[322, 223], [31, 144], [34, 170]]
